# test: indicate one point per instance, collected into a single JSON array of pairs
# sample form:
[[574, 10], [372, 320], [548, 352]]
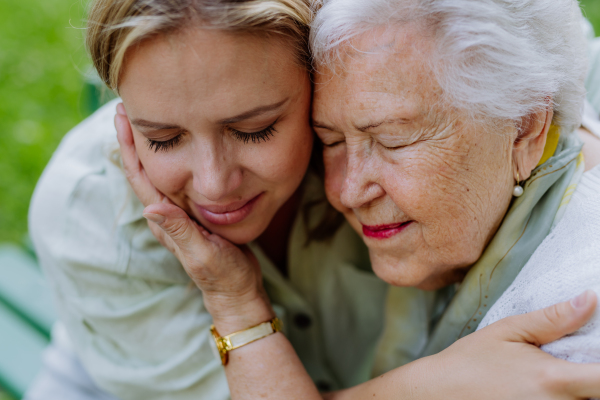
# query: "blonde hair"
[[114, 26]]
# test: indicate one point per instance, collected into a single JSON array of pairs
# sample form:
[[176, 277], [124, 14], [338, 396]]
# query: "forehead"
[[209, 72], [379, 72]]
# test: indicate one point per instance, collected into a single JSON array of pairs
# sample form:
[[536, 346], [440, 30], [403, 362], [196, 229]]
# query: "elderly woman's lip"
[[384, 231]]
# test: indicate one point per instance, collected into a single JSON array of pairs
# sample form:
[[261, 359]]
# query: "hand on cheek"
[[228, 276], [134, 171]]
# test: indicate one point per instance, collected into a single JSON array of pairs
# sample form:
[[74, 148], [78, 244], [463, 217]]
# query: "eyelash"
[[165, 145], [246, 137], [392, 148], [255, 137]]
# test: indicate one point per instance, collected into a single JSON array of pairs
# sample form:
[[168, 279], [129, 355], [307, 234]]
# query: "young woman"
[[217, 95]]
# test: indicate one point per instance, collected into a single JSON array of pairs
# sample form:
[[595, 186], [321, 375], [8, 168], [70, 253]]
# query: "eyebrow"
[[142, 123], [317, 124], [255, 112], [363, 128]]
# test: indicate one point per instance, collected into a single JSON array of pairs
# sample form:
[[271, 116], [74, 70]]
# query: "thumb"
[[550, 323], [185, 233]]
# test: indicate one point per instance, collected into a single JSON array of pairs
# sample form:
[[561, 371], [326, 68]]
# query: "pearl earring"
[[517, 190]]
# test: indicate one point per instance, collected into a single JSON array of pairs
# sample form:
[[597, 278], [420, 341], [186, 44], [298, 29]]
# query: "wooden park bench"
[[26, 318], [26, 314]]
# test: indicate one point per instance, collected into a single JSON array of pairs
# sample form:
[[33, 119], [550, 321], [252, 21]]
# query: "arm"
[[501, 361], [115, 286], [498, 362]]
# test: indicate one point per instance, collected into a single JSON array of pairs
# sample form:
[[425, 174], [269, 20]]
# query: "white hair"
[[500, 59]]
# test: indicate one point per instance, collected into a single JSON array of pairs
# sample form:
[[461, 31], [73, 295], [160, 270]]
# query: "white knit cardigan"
[[563, 266]]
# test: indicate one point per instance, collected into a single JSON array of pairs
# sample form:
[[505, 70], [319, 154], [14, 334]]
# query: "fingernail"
[[156, 218], [581, 300]]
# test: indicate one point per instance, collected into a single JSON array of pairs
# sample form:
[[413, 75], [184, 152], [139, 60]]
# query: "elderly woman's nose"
[[215, 178], [360, 185]]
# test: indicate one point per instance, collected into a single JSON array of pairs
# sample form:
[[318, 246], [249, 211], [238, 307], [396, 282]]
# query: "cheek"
[[284, 159], [334, 160], [430, 182], [452, 195], [165, 170], [335, 173]]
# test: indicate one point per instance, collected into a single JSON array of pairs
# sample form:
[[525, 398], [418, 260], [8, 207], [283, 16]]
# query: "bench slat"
[[23, 288], [21, 350]]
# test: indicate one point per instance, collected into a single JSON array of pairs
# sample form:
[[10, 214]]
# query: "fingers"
[[162, 237], [124, 133], [549, 324], [229, 278], [185, 233], [131, 161], [134, 170]]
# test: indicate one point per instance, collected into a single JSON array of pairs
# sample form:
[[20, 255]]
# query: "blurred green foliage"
[[591, 9], [42, 64]]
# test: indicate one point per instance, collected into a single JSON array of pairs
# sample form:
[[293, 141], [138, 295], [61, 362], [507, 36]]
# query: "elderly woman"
[[451, 145]]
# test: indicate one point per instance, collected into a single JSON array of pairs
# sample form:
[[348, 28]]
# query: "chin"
[[239, 239], [237, 233], [401, 276], [404, 273]]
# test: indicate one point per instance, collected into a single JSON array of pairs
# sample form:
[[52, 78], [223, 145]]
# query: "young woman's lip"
[[230, 214], [384, 231]]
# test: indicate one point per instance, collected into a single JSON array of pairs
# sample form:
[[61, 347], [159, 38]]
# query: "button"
[[302, 321], [323, 386]]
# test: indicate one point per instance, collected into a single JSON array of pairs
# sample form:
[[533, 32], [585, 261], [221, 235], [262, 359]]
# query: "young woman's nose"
[[360, 185], [216, 176]]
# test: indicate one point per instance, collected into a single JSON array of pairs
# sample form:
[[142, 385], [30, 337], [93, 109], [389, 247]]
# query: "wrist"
[[417, 378], [229, 318]]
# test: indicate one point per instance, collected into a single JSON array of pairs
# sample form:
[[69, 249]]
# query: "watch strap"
[[241, 338]]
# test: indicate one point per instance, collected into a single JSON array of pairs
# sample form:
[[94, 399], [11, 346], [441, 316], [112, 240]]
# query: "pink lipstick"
[[384, 231], [228, 214]]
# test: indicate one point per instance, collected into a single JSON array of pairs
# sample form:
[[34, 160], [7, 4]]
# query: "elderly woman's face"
[[426, 187]]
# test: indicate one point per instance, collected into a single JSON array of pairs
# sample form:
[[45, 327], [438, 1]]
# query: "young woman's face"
[[221, 125]]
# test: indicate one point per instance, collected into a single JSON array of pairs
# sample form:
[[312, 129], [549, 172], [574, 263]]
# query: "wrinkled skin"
[[395, 152]]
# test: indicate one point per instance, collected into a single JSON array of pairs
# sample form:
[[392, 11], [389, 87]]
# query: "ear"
[[529, 144]]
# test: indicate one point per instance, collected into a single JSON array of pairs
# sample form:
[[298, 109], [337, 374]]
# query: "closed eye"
[[334, 144], [392, 147], [164, 145], [263, 135]]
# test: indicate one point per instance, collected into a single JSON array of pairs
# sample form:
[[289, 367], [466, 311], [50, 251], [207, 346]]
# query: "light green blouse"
[[138, 323]]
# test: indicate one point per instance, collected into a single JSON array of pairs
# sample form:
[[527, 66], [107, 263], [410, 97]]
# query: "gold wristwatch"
[[241, 338]]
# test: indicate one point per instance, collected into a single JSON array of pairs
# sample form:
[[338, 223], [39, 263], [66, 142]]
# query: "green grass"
[[41, 96]]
